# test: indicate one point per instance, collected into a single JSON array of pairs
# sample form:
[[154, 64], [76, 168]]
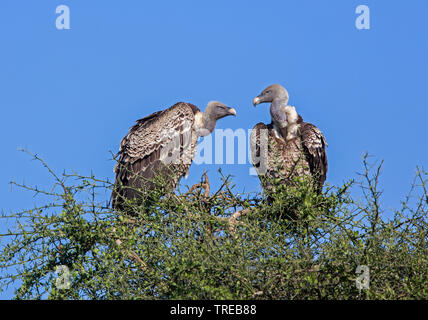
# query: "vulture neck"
[[277, 113], [285, 119], [207, 126], [293, 120]]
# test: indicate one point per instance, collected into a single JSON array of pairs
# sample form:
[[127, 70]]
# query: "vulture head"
[[214, 111], [272, 93]]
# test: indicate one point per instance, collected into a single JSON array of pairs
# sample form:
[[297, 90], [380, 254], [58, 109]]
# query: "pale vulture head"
[[271, 93], [216, 110]]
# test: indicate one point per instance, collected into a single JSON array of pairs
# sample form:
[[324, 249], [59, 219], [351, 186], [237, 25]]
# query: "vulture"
[[288, 148], [162, 144]]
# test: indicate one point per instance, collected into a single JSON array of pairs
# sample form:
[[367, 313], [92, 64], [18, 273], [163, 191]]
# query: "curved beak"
[[256, 101], [232, 111]]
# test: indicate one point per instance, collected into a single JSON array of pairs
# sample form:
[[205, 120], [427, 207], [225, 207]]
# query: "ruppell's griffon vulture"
[[288, 146], [162, 144]]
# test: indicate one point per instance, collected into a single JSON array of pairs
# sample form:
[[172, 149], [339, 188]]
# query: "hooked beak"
[[232, 111], [256, 101]]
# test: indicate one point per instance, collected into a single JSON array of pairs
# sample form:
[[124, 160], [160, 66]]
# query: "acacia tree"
[[218, 244]]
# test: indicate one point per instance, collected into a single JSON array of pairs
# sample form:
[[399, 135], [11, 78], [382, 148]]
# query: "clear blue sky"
[[71, 95]]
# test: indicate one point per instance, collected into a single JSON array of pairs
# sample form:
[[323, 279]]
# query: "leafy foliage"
[[219, 245]]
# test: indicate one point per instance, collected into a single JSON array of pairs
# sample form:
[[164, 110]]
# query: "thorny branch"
[[172, 257]]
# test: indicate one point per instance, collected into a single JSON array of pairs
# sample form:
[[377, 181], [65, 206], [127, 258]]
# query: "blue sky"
[[71, 95]]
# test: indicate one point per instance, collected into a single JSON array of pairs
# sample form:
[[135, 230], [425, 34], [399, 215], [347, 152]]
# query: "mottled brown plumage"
[[314, 146], [288, 147], [162, 146]]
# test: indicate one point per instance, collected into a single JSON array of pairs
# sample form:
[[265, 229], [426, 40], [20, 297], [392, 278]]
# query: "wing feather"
[[160, 143], [266, 150], [315, 144]]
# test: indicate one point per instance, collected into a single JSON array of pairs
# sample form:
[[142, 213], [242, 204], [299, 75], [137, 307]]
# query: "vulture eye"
[[267, 91]]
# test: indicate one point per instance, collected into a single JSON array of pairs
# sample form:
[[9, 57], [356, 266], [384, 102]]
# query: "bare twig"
[[423, 183], [206, 185], [257, 294], [132, 254], [232, 220]]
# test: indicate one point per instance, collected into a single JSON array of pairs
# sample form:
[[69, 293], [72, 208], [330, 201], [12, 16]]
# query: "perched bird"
[[163, 145], [287, 147]]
